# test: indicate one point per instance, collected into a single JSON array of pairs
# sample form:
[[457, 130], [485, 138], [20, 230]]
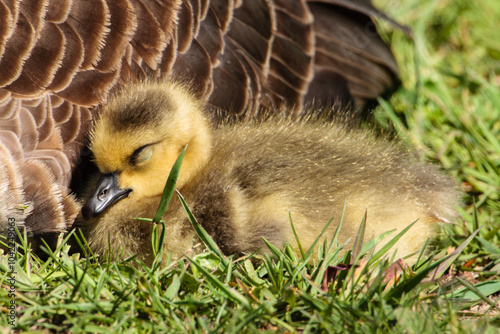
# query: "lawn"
[[448, 108]]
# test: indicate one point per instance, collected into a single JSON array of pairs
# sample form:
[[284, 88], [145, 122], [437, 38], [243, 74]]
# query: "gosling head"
[[137, 138]]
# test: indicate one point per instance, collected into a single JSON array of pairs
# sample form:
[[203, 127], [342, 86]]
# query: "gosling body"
[[242, 180]]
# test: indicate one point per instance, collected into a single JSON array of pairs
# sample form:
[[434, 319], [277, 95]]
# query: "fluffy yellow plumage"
[[242, 180]]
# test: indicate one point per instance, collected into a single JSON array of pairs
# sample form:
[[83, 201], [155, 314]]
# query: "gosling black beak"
[[105, 194]]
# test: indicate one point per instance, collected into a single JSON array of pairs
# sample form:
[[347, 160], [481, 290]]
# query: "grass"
[[448, 108]]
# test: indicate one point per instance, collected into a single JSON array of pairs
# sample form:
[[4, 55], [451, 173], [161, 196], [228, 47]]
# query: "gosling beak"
[[105, 194]]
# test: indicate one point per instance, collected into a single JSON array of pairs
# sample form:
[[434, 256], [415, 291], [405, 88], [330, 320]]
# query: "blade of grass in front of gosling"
[[285, 261], [311, 249], [391, 243], [82, 243], [23, 239], [358, 242], [26, 252], [202, 233], [168, 191], [410, 283], [373, 287], [337, 230], [53, 255], [430, 273], [26, 256], [154, 239], [313, 301], [295, 234], [274, 250], [228, 292], [280, 257], [156, 300], [174, 287], [79, 281], [333, 241], [370, 244], [290, 263], [319, 273], [78, 273], [158, 245], [101, 288], [447, 261], [421, 254], [123, 294], [248, 276]]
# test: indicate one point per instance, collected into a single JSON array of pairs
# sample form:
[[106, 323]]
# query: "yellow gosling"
[[242, 180]]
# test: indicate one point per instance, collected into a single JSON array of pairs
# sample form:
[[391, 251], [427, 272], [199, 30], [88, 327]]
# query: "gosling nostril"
[[103, 194]]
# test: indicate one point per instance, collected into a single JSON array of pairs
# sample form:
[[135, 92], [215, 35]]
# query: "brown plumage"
[[241, 180], [59, 59]]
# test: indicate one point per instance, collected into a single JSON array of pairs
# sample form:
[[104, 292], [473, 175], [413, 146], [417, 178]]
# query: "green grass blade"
[[296, 236], [157, 244], [412, 282], [202, 233], [438, 272], [168, 191], [488, 246], [391, 243], [358, 242], [311, 249], [230, 293], [473, 294]]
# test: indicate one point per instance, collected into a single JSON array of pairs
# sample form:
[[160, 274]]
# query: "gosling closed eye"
[[141, 155]]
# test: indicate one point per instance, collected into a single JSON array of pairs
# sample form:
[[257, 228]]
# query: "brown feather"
[[40, 68], [72, 60], [17, 50]]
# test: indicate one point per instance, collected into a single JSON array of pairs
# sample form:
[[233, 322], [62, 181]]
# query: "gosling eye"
[[142, 154]]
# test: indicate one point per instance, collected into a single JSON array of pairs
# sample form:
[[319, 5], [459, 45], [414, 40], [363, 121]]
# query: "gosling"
[[242, 180]]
